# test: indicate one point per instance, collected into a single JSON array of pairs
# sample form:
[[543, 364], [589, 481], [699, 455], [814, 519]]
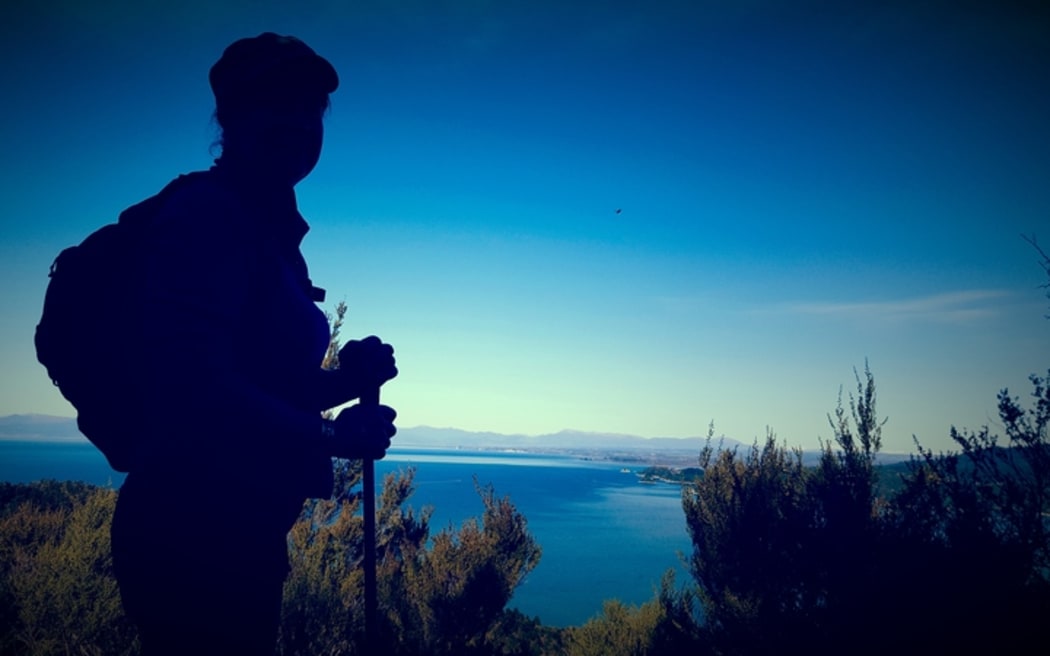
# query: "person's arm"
[[333, 388], [363, 364]]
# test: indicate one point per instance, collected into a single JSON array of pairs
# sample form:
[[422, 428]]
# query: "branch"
[[1045, 263]]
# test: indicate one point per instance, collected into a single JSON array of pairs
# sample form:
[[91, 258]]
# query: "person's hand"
[[366, 363], [362, 431]]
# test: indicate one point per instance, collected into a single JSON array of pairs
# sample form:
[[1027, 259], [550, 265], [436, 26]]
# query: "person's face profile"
[[285, 138]]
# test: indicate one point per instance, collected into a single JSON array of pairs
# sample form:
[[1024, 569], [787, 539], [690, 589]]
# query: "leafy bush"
[[441, 595], [58, 590], [447, 595], [667, 624], [956, 558]]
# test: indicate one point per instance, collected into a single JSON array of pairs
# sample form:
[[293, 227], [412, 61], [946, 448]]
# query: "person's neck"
[[247, 171]]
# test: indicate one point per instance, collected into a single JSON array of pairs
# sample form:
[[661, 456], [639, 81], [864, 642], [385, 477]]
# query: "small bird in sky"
[[618, 210]]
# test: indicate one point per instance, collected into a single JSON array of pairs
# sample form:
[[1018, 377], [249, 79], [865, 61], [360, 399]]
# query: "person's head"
[[271, 93]]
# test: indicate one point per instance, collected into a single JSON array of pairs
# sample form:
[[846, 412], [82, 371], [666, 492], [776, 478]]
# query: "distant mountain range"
[[41, 428], [427, 436], [665, 450], [51, 428]]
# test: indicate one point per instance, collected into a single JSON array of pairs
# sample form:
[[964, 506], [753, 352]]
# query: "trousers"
[[199, 571]]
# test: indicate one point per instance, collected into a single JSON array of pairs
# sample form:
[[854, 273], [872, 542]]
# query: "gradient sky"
[[803, 187]]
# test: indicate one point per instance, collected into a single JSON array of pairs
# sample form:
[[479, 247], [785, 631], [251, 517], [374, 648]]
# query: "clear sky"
[[801, 187]]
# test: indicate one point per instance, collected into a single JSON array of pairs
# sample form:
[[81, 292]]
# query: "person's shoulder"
[[196, 218], [197, 193], [198, 202]]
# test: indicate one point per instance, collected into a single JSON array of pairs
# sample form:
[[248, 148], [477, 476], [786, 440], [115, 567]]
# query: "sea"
[[604, 533]]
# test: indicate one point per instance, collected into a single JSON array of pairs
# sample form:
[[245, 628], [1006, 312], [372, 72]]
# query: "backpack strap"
[[140, 212]]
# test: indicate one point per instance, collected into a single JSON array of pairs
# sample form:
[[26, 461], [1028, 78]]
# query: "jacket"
[[238, 341]]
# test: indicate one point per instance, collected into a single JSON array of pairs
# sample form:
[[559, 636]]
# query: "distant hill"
[[428, 436], [675, 451], [50, 428], [41, 428], [668, 451]]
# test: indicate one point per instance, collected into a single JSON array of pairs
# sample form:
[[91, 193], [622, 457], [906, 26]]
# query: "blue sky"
[[803, 187]]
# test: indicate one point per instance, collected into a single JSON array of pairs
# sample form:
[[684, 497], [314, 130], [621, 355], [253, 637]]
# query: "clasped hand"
[[363, 431], [366, 364]]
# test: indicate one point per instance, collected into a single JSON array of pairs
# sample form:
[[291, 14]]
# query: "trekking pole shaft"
[[368, 483]]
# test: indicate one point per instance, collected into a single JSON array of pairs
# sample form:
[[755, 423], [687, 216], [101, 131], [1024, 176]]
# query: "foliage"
[[441, 595], [516, 634], [790, 555], [44, 495], [664, 625], [748, 520], [58, 591], [620, 630], [1044, 262], [976, 522], [335, 323], [325, 550], [449, 598], [684, 475]]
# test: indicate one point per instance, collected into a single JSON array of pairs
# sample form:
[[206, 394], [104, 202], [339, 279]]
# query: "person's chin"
[[301, 174]]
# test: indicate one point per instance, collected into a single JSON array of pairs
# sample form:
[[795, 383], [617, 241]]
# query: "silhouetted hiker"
[[235, 443]]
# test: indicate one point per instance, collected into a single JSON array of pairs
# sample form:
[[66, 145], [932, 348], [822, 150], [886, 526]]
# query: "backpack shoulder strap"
[[139, 212]]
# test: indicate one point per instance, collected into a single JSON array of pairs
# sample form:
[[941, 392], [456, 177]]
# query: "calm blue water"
[[604, 535]]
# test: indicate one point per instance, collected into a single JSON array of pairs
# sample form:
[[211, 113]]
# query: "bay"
[[604, 534]]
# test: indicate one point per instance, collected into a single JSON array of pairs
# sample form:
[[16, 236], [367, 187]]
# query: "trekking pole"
[[368, 484]]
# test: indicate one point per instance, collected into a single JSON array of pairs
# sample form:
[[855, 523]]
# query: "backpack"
[[87, 337]]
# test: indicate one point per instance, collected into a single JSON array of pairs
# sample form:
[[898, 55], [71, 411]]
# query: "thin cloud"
[[953, 307]]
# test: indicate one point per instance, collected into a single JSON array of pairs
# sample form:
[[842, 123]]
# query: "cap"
[[267, 63]]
